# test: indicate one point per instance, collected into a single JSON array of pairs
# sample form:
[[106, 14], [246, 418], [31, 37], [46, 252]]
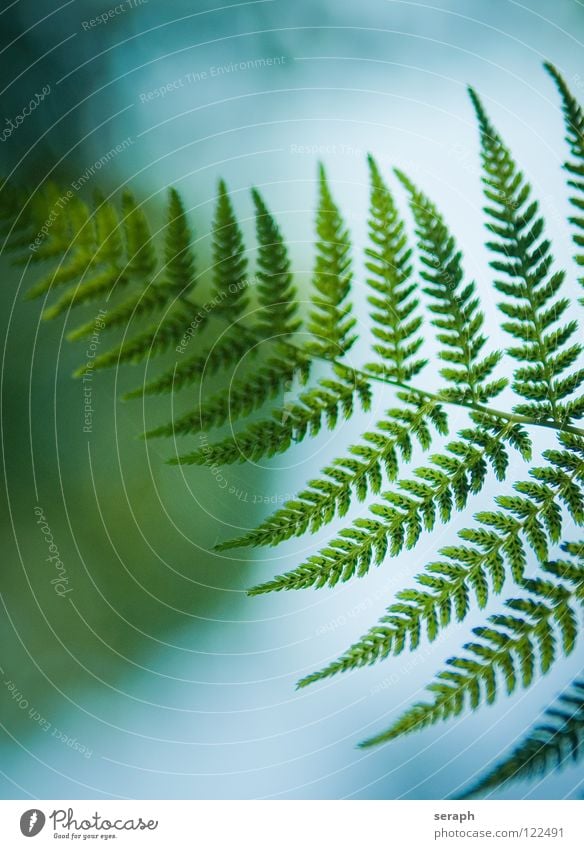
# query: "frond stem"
[[479, 408]]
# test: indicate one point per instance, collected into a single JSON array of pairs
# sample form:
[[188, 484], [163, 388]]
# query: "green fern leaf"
[[529, 285], [80, 252], [172, 295], [396, 322], [506, 535], [506, 649], [179, 266], [140, 252], [178, 273], [229, 260], [228, 350], [455, 305], [318, 406], [276, 295], [361, 472], [78, 257], [244, 396], [574, 121], [397, 523], [330, 319], [550, 745]]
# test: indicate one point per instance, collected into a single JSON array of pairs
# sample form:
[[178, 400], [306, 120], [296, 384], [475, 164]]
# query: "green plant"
[[101, 253], [557, 740]]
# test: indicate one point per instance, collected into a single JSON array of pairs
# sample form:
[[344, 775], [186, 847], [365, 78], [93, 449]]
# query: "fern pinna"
[[159, 300]]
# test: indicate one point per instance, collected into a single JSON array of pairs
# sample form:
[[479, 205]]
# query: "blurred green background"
[[156, 677]]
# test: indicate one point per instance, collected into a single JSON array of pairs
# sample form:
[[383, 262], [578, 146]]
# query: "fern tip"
[[404, 179], [225, 546]]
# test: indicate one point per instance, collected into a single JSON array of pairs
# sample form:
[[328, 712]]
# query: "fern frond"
[[360, 473], [179, 265], [549, 746], [96, 250], [455, 305], [156, 339], [531, 308], [142, 302], [506, 649], [397, 523], [395, 309], [321, 405], [50, 227], [276, 294], [73, 267], [140, 251], [244, 396], [234, 344], [229, 259], [574, 121], [108, 231], [103, 271], [77, 258], [98, 285], [330, 319], [178, 276], [526, 521], [171, 295]]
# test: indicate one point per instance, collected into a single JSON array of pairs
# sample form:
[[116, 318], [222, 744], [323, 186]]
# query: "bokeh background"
[[157, 677]]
